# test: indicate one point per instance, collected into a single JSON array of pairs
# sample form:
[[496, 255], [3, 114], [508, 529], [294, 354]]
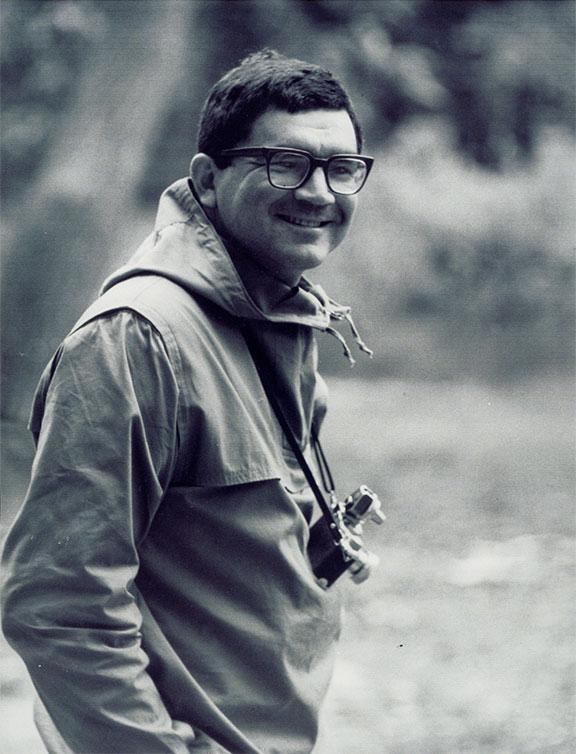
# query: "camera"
[[335, 546]]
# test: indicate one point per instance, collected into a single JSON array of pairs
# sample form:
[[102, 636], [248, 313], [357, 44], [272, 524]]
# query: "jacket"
[[156, 579]]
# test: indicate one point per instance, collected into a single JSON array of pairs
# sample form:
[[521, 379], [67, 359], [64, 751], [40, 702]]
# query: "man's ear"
[[203, 172]]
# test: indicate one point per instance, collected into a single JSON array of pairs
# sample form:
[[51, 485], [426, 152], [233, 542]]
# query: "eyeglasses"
[[291, 168]]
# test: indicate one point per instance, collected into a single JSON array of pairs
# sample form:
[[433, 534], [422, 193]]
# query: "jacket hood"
[[185, 248]]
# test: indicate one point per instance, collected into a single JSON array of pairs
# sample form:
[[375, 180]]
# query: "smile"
[[304, 223]]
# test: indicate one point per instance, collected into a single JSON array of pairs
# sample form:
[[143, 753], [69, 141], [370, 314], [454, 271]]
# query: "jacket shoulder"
[[166, 304]]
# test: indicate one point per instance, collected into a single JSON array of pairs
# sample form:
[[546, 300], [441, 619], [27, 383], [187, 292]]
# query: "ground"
[[462, 642]]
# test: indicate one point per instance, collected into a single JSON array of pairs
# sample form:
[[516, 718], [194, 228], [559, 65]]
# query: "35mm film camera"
[[335, 546]]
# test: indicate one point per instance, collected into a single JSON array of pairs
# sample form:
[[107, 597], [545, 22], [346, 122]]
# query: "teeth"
[[303, 223]]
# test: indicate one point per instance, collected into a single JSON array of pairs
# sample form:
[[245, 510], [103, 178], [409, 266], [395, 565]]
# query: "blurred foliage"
[[500, 271], [498, 70], [464, 238], [472, 271]]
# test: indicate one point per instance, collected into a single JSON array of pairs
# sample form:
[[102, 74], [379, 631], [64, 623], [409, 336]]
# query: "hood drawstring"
[[360, 343], [340, 313], [337, 312], [340, 339]]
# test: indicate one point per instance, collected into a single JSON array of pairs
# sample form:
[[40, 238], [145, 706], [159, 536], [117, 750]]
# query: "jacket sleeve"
[[104, 456]]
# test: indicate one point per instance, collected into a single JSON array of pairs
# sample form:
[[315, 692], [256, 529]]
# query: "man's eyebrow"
[[314, 154], [287, 146]]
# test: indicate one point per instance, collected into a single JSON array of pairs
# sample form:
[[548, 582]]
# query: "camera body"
[[330, 558]]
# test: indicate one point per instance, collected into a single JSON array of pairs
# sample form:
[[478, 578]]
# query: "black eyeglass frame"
[[314, 162]]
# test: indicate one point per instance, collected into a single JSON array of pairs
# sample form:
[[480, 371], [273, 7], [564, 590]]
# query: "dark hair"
[[263, 80]]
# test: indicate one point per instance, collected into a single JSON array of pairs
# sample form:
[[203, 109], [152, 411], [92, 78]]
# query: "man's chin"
[[311, 256], [286, 262]]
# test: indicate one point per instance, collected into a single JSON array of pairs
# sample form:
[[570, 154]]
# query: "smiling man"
[[285, 232], [158, 584]]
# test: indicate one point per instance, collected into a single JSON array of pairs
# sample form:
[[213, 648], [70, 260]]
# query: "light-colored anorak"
[[156, 579]]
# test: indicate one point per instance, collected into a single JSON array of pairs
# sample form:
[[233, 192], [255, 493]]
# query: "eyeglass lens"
[[345, 175]]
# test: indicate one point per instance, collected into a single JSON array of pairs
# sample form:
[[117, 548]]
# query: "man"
[[158, 586]]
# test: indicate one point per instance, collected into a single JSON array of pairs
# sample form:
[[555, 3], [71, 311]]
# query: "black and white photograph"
[[288, 427]]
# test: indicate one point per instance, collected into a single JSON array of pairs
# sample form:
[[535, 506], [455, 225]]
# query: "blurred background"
[[460, 272]]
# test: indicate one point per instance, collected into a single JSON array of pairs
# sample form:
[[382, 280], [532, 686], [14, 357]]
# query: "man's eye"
[[286, 163], [344, 168]]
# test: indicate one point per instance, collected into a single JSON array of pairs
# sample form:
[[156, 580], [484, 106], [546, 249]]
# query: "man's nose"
[[315, 190]]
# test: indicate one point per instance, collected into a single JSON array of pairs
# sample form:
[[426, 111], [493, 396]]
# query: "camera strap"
[[267, 378]]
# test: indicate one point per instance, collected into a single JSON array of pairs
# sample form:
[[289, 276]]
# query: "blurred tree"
[[42, 52], [498, 297], [78, 204]]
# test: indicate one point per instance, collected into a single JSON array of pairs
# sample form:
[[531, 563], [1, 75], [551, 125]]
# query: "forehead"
[[321, 132]]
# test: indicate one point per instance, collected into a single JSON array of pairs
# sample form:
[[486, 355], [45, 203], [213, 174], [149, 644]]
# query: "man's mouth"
[[303, 222]]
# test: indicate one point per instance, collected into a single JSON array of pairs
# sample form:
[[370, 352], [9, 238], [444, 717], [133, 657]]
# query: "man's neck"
[[266, 287]]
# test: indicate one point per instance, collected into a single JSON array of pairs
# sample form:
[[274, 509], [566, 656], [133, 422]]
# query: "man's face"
[[287, 231]]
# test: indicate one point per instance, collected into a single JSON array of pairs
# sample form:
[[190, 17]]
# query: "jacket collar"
[[266, 296], [185, 248]]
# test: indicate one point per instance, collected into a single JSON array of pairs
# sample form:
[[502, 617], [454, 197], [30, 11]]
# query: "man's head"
[[273, 101]]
